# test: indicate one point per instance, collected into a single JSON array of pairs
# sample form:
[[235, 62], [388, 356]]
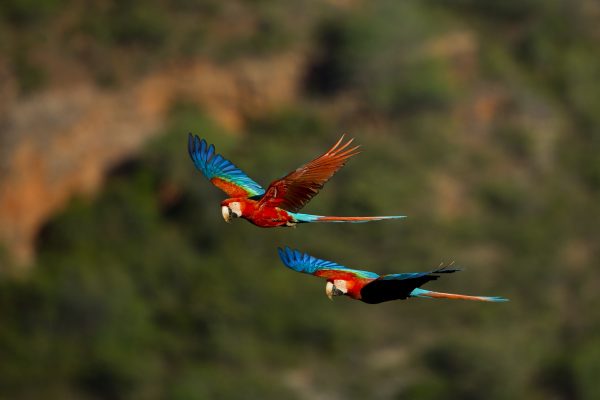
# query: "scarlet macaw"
[[278, 205], [370, 287]]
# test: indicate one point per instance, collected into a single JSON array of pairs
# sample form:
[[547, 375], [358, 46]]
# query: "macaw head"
[[335, 288], [231, 209]]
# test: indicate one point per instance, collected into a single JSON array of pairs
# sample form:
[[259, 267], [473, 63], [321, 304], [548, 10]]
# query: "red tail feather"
[[355, 219], [439, 295]]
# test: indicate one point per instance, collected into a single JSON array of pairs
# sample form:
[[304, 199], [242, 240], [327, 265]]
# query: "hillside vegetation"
[[478, 120]]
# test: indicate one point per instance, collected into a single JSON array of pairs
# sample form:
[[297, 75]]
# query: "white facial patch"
[[236, 208], [340, 284]]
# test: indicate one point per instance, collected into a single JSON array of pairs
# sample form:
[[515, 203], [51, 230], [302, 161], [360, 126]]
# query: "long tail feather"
[[300, 218], [438, 295]]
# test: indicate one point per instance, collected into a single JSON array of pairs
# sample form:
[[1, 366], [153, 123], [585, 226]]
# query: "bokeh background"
[[480, 120]]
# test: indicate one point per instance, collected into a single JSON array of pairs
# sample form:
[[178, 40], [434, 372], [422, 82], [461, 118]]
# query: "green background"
[[139, 294]]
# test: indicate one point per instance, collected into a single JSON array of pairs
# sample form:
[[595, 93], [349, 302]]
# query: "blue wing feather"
[[214, 165], [303, 262]]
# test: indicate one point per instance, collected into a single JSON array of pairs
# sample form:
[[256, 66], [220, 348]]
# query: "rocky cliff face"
[[61, 141]]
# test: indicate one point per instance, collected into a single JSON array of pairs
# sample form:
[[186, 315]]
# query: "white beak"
[[329, 290], [226, 214]]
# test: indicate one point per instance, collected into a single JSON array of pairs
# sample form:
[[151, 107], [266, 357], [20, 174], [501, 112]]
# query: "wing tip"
[[287, 254], [199, 150], [191, 144], [281, 253], [340, 145]]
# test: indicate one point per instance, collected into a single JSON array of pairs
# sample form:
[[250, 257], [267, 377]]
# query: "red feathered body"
[[280, 203], [261, 215], [353, 283], [354, 287]]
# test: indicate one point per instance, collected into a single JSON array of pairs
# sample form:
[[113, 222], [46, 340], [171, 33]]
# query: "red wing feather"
[[334, 274], [296, 189]]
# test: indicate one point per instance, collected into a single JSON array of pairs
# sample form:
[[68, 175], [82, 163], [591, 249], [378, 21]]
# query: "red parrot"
[[278, 205], [370, 287]]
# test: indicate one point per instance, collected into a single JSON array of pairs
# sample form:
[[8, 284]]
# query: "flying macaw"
[[278, 205], [370, 287]]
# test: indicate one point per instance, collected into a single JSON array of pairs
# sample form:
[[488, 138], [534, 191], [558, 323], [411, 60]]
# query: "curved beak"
[[329, 290], [226, 213]]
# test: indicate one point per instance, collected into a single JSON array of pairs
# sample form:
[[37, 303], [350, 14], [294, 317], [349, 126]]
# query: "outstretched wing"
[[416, 275], [398, 286], [220, 171], [303, 262], [296, 189]]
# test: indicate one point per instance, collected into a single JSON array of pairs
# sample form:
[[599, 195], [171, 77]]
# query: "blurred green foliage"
[[27, 12], [144, 292], [30, 76], [373, 53], [118, 39], [128, 22]]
